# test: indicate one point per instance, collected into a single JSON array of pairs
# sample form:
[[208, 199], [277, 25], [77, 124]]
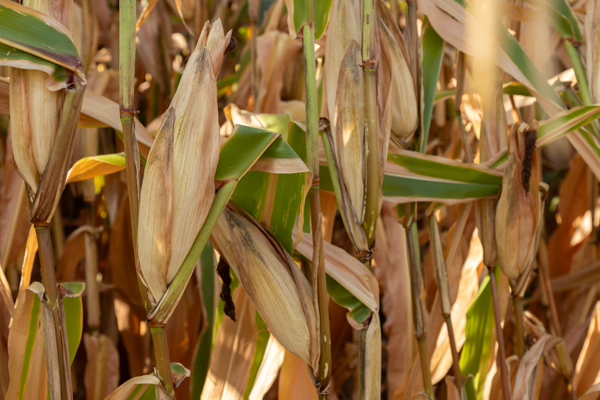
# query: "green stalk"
[[370, 66], [418, 304], [319, 277], [127, 19], [54, 303]]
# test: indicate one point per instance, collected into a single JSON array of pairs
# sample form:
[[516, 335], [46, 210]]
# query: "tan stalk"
[[323, 375], [91, 271], [127, 19], [460, 85]]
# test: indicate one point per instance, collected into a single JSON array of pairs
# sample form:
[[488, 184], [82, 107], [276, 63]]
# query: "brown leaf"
[[295, 382], [102, 368], [233, 352]]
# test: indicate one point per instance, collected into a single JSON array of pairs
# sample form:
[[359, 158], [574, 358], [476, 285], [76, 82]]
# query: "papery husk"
[[35, 111], [178, 187], [349, 134], [518, 210], [345, 26], [274, 283], [404, 112]]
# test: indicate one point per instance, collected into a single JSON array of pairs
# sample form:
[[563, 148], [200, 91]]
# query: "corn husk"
[[178, 188], [518, 209], [274, 283], [35, 111], [403, 96]]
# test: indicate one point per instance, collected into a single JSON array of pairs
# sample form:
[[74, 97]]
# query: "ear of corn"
[[518, 209], [186, 148], [276, 286]]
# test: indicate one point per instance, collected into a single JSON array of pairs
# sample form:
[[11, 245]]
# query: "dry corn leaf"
[[14, 218], [295, 382], [274, 51], [269, 369], [26, 355], [392, 271], [130, 391], [587, 371], [592, 33], [233, 353], [102, 368], [528, 381]]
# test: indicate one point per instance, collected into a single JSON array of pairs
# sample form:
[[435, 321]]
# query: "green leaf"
[[320, 13], [74, 320], [358, 311], [433, 50], [474, 358], [39, 35], [13, 57], [204, 348], [563, 19]]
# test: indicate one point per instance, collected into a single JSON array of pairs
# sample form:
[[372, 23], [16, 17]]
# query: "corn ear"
[[178, 189], [518, 209], [404, 111], [274, 283], [35, 110]]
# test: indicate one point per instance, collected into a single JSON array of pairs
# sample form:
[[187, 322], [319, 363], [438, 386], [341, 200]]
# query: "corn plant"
[[299, 199]]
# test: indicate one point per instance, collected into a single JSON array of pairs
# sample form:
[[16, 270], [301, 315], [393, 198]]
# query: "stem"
[[127, 18], [91, 270], [318, 270], [253, 13], [418, 303], [370, 66], [54, 303], [163, 362], [455, 359], [499, 336], [519, 327]]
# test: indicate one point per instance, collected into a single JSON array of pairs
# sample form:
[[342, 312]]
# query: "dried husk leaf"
[[35, 110], [403, 100], [518, 210], [349, 134], [178, 189], [269, 369], [345, 26], [274, 283]]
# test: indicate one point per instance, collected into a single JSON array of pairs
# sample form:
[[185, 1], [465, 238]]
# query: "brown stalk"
[[91, 271], [460, 85], [56, 338]]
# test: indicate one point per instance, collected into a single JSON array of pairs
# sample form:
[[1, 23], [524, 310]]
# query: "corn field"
[[299, 199]]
